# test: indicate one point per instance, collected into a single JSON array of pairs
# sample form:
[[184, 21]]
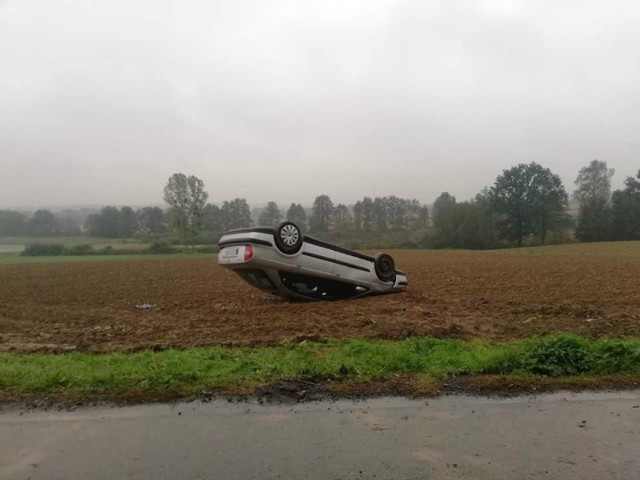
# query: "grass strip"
[[185, 372]]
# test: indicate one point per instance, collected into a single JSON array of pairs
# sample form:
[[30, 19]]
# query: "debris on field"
[[145, 305]]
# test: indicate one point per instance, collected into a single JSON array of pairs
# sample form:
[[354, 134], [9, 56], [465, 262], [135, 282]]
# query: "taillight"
[[248, 253]]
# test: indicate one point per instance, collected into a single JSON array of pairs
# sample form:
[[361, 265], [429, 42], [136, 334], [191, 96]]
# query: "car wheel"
[[288, 237], [385, 267]]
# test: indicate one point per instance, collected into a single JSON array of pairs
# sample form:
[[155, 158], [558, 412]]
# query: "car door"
[[316, 259], [351, 267]]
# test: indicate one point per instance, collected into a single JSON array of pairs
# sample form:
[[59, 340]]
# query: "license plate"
[[231, 255], [230, 252]]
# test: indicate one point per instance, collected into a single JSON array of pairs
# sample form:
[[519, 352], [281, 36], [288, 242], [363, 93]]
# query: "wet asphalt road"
[[560, 436]]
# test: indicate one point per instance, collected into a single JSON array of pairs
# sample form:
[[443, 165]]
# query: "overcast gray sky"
[[101, 101]]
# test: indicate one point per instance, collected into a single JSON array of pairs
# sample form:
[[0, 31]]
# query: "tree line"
[[109, 222], [527, 204], [189, 213], [42, 223]]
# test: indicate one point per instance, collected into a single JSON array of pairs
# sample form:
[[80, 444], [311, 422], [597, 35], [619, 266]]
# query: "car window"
[[320, 288], [257, 278]]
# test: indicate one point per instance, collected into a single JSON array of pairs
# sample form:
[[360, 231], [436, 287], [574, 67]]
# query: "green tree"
[[594, 221], [43, 224], [186, 198], [212, 218], [127, 222], [357, 216], [550, 203], [397, 211], [341, 217], [151, 220], [593, 182], [105, 223], [422, 219], [414, 215], [475, 228], [271, 215], [380, 213], [593, 193], [321, 213], [445, 220], [366, 214], [528, 200], [236, 214], [486, 230], [297, 215], [66, 225], [12, 223], [626, 211], [469, 224]]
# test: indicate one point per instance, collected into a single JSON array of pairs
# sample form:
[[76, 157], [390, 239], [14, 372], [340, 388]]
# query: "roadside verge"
[[352, 368]]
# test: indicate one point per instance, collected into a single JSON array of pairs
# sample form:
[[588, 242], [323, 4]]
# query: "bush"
[[160, 248], [408, 245], [207, 238], [144, 236], [614, 356], [125, 251], [42, 249], [354, 245], [207, 249], [108, 250], [557, 356], [80, 250]]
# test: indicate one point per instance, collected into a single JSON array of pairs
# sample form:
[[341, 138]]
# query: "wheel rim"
[[289, 235], [385, 268]]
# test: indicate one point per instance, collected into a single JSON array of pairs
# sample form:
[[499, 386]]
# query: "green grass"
[[13, 245], [73, 241], [185, 372], [15, 258], [376, 240], [630, 249]]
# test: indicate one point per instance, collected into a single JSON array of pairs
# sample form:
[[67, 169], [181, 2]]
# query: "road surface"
[[559, 436]]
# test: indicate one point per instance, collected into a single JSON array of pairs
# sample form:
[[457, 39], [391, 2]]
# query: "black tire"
[[385, 267], [288, 237]]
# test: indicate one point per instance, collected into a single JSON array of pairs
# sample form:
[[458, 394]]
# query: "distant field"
[[11, 248], [15, 258], [87, 305], [604, 249], [16, 244], [70, 241]]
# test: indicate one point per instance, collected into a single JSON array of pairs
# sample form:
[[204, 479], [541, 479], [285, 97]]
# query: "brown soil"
[[90, 306]]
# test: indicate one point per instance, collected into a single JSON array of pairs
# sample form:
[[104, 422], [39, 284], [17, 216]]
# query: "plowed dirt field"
[[90, 306]]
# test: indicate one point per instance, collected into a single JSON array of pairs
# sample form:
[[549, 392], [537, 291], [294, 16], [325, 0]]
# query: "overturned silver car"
[[283, 261]]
